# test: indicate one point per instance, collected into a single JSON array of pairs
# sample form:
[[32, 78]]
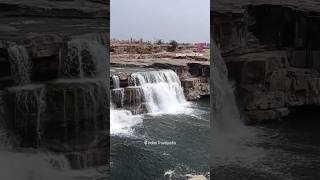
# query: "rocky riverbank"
[[272, 52]]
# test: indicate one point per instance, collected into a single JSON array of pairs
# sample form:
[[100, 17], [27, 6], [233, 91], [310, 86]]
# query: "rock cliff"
[[272, 52]]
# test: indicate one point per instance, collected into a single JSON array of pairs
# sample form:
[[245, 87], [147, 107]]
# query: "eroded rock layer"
[[272, 52]]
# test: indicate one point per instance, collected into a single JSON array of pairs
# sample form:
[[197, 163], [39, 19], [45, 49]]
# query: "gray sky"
[[181, 20]]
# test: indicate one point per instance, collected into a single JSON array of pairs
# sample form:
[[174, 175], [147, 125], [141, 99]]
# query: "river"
[[170, 141]]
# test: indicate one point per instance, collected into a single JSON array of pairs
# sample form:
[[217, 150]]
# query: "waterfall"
[[227, 129], [29, 110], [118, 97], [225, 112], [20, 64], [41, 108], [116, 81], [162, 90], [85, 59], [79, 98]]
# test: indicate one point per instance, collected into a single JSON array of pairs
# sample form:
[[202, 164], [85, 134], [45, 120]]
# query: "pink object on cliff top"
[[200, 47]]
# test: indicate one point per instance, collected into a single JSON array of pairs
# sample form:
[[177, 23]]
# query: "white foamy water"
[[169, 173], [162, 90], [122, 122]]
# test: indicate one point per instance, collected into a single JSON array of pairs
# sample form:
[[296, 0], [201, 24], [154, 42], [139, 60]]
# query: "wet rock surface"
[[274, 58]]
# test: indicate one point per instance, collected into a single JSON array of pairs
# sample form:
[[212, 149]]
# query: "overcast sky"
[[180, 20]]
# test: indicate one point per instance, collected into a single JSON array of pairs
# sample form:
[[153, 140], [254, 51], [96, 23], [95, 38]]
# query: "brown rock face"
[[273, 58]]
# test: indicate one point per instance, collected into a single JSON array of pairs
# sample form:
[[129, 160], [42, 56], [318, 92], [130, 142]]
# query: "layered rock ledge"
[[272, 52], [191, 64], [194, 75]]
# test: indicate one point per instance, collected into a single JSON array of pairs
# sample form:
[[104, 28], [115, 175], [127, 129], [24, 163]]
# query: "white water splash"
[[162, 90], [169, 173], [122, 122]]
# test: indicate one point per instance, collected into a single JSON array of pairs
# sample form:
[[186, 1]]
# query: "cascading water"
[[86, 64], [84, 59], [29, 100], [225, 113], [20, 64], [118, 97], [227, 129], [162, 90], [116, 81]]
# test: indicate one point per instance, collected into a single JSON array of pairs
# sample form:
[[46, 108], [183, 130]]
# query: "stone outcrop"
[[272, 52]]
